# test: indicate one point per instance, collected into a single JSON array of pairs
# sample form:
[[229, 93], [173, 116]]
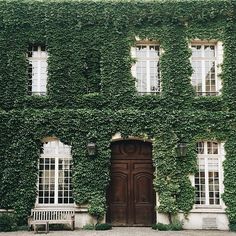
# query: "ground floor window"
[[55, 185], [208, 179]]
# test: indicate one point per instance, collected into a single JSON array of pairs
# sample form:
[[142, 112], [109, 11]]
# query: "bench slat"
[[52, 216]]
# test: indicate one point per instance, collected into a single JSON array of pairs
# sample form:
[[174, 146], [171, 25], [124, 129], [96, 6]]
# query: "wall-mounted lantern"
[[181, 149], [92, 149]]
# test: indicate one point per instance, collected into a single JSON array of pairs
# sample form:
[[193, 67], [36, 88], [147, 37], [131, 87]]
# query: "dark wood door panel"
[[132, 149], [121, 166], [118, 215], [144, 199], [143, 188], [131, 198], [140, 166], [119, 188], [118, 196], [144, 215]]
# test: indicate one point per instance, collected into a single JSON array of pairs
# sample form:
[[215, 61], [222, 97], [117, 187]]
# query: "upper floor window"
[[146, 69], [208, 179], [55, 183], [205, 61], [37, 70]]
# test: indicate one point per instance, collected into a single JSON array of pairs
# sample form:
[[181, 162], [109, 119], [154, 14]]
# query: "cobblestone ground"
[[125, 231]]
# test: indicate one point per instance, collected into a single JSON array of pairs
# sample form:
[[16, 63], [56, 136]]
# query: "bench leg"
[[47, 227], [72, 222], [35, 228]]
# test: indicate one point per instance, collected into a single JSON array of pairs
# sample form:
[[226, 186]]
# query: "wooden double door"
[[131, 198]]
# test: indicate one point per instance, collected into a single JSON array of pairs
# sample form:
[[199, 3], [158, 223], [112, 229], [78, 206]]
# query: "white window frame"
[[56, 154], [146, 59], [218, 59], [220, 157], [36, 60]]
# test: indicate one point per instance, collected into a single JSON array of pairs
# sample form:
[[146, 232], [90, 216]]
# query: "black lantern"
[[181, 149], [91, 148]]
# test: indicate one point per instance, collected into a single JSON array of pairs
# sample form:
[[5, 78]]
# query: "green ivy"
[[91, 94]]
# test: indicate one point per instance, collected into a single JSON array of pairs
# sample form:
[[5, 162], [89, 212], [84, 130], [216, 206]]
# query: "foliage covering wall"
[[91, 94]]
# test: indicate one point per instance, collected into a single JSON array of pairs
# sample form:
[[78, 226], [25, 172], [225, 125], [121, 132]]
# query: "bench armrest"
[[73, 222]]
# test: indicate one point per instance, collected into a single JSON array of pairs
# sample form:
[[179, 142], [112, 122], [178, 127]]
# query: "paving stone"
[[126, 231]]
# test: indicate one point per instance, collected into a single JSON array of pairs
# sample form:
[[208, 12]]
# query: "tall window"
[[55, 164], [146, 70], [208, 179], [205, 59], [37, 70]]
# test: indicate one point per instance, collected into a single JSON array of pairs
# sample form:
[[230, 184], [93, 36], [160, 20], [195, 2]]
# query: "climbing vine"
[[91, 94]]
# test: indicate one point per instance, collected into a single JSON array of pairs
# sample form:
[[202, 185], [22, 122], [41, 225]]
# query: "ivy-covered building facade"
[[132, 80]]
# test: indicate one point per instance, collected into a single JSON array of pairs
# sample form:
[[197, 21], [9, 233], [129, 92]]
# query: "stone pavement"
[[125, 231]]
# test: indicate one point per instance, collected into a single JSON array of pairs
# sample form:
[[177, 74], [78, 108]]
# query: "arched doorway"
[[131, 197]]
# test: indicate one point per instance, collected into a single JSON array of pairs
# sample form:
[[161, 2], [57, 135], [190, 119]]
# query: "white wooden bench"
[[49, 216]]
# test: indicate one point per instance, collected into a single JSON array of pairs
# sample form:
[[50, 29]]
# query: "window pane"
[[196, 50], [47, 179], [65, 179], [37, 67], [210, 76], [207, 185], [55, 185], [215, 148], [154, 51], [141, 76], [147, 69], [204, 75], [154, 76], [141, 51], [200, 147], [209, 51]]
